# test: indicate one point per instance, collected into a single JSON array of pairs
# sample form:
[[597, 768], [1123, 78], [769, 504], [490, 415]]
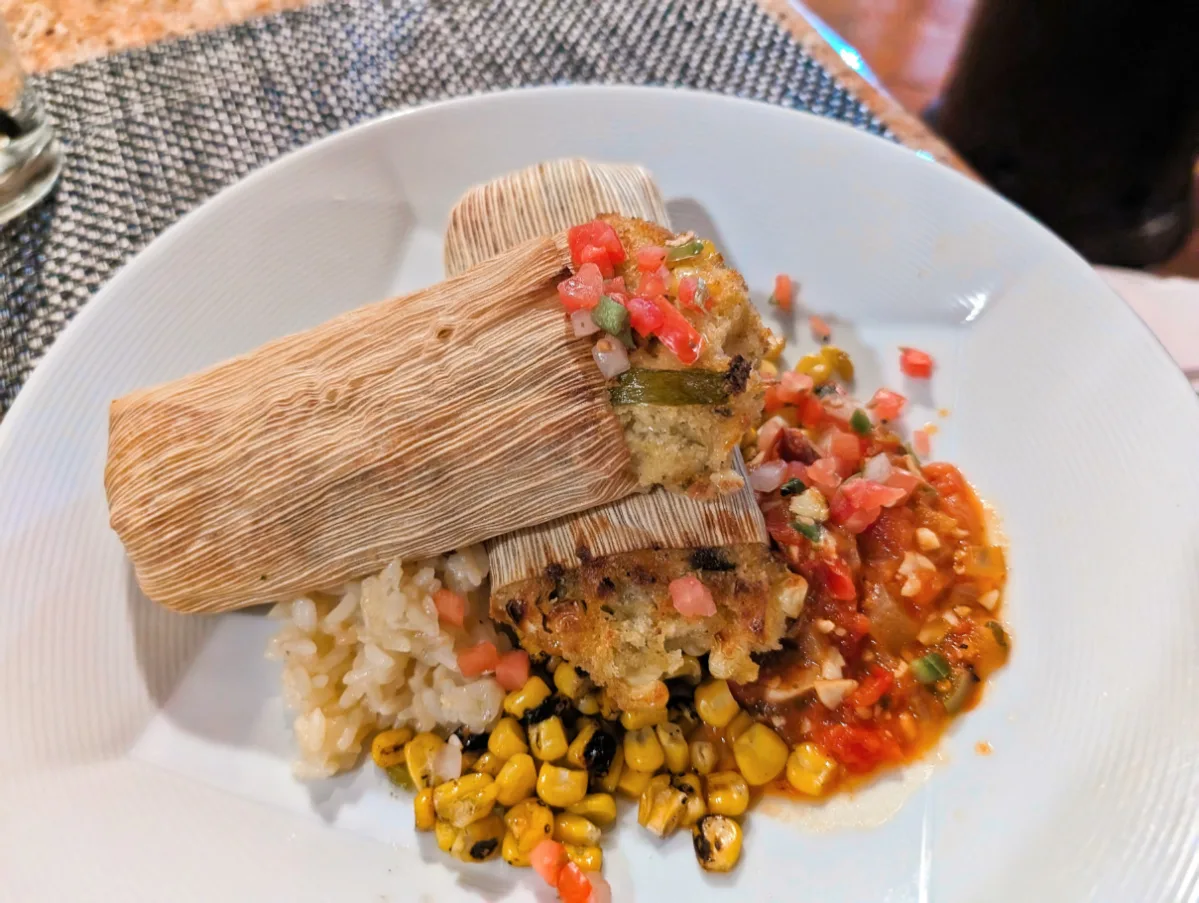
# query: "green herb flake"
[[793, 486]]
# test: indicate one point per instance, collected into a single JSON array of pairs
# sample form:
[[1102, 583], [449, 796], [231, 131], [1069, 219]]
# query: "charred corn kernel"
[[512, 853], [809, 770], [768, 370], [840, 362], [609, 782], [674, 747], [561, 787], [530, 822], [717, 841], [571, 828], [694, 808], [532, 694], [445, 834], [815, 366], [547, 739], [507, 739], [598, 808], [728, 793], [642, 751], [608, 709], [589, 704], [418, 756], [426, 813], [488, 763], [683, 714], [715, 703], [574, 754], [703, 756], [588, 858], [644, 717], [466, 799], [480, 840], [516, 780], [632, 783], [738, 726], [661, 806], [569, 682], [387, 749], [761, 755]]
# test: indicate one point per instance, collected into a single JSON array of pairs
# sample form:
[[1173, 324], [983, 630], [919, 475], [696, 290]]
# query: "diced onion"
[[831, 693], [769, 476], [583, 324], [878, 468], [447, 764], [610, 357]]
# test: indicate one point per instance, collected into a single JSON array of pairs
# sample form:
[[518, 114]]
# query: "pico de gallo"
[[900, 628]]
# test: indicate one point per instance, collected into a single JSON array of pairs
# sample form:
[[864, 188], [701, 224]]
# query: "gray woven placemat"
[[152, 133]]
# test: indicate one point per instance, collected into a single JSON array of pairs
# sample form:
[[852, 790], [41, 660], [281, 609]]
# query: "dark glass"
[[1086, 114]]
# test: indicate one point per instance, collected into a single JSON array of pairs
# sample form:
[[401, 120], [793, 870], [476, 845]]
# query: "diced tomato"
[[860, 518], [481, 658], [582, 290], [615, 286], [769, 434], [645, 316], [820, 329], [597, 234], [957, 498], [823, 475], [905, 480], [887, 405], [451, 607], [838, 580], [547, 859], [652, 285], [778, 524], [677, 333], [858, 748], [915, 363], [688, 289], [650, 258], [773, 400], [797, 470], [869, 494], [573, 885], [873, 687], [600, 257], [783, 292], [691, 598], [512, 671], [921, 444], [601, 890], [847, 449], [811, 412], [796, 447], [793, 386]]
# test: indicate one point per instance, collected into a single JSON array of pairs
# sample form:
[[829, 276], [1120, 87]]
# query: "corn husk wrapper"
[[540, 200], [401, 429]]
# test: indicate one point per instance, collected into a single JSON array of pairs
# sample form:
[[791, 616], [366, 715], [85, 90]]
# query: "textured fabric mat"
[[153, 132]]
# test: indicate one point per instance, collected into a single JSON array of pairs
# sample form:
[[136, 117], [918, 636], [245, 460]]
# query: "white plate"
[[145, 755]]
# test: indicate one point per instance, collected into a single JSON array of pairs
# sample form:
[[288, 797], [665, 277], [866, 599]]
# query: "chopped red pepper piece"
[[644, 316], [783, 291], [677, 333], [838, 580], [915, 363]]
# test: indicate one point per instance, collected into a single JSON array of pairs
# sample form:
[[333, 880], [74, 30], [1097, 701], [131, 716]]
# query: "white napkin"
[[1169, 306]]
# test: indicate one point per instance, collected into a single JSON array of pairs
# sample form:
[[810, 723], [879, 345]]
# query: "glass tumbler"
[[30, 155]]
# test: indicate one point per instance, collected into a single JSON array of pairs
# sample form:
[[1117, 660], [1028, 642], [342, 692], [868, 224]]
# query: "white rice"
[[375, 657]]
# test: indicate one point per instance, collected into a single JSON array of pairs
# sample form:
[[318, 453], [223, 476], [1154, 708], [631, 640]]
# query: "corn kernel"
[[561, 787], [586, 729], [816, 367], [532, 694], [728, 793], [418, 755], [674, 747], [480, 840], [445, 835], [512, 853], [693, 789], [768, 370], [569, 682], [632, 783], [761, 755], [715, 703], [571, 828], [717, 841], [608, 709], [809, 770], [588, 858], [530, 822], [466, 799], [598, 808], [704, 756], [387, 749], [644, 717], [840, 362], [609, 782], [547, 739], [488, 763], [516, 780], [507, 739], [738, 726], [661, 807], [588, 704], [642, 751], [425, 812]]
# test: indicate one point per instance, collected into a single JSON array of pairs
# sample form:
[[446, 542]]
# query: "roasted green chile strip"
[[670, 387]]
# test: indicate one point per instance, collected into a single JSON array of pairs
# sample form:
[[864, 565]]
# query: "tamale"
[[402, 429]]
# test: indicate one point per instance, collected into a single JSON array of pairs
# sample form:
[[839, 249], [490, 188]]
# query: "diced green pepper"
[[814, 532], [930, 668], [961, 693], [859, 422], [670, 387], [610, 316], [793, 486], [998, 632], [679, 253]]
